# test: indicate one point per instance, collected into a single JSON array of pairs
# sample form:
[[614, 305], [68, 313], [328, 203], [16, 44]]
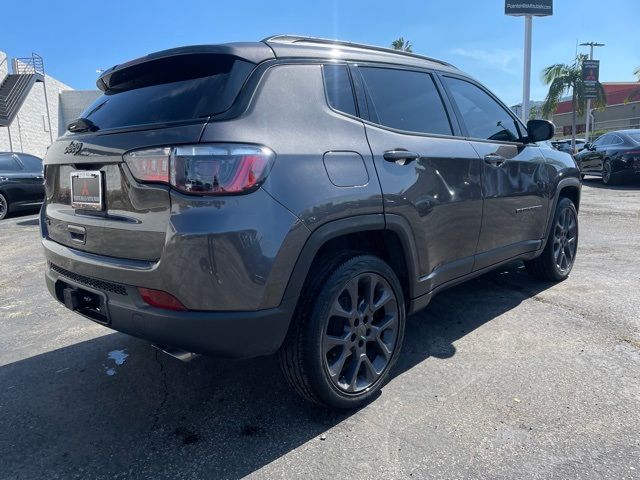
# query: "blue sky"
[[76, 38]]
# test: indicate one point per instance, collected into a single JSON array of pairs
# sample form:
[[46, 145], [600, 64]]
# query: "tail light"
[[206, 169]]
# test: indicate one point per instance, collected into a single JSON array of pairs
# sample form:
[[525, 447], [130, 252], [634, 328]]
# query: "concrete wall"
[[72, 104], [613, 117]]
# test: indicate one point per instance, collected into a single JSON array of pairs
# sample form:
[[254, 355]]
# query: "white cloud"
[[508, 61]]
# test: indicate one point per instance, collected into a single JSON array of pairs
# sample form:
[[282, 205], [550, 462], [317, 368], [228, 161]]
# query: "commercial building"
[[622, 112], [35, 107]]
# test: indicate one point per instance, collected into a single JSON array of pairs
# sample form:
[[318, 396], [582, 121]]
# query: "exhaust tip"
[[176, 353]]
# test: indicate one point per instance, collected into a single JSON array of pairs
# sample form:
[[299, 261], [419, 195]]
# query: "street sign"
[[538, 8], [590, 74]]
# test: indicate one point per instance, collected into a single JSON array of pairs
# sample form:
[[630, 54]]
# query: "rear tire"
[[557, 258], [4, 206], [608, 177], [347, 332]]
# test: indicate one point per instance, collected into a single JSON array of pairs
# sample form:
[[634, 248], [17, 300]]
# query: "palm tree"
[[637, 73], [401, 44], [564, 78]]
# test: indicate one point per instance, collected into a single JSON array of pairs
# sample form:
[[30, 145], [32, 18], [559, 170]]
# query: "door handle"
[[400, 156], [494, 159]]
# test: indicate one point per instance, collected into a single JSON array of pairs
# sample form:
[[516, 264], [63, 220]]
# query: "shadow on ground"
[[623, 184], [64, 416]]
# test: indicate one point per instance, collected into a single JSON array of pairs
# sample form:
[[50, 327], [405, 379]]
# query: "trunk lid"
[[160, 100], [134, 219]]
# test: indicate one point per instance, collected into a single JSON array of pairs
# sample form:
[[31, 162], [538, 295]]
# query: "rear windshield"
[[635, 136], [169, 90]]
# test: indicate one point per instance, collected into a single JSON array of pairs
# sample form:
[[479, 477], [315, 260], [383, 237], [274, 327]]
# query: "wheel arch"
[[389, 238], [570, 188]]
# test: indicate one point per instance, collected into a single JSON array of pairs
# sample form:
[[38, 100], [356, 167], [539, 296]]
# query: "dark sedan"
[[21, 182], [613, 156]]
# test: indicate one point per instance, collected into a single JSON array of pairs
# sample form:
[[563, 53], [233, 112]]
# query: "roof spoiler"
[[254, 52]]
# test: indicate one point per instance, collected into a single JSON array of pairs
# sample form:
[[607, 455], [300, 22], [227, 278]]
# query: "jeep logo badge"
[[73, 148]]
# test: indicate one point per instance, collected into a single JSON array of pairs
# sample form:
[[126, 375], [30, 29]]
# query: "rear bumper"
[[228, 334]]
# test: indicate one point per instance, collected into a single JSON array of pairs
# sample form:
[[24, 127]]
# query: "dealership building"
[[35, 107], [622, 111]]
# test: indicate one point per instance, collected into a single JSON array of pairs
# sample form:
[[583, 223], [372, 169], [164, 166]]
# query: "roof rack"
[[328, 41]]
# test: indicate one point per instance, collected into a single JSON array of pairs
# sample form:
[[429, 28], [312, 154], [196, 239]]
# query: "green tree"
[[564, 79], [401, 44]]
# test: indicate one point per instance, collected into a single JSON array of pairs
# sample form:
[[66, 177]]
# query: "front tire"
[[347, 332], [4, 206], [557, 258]]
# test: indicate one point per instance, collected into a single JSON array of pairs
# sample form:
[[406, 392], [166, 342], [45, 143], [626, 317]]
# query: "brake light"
[[160, 299], [205, 169]]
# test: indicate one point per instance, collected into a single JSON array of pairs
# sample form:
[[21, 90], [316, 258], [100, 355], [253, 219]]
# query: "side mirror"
[[589, 146], [540, 130]]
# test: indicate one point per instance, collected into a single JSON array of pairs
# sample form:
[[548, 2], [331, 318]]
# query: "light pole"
[[526, 74], [588, 116]]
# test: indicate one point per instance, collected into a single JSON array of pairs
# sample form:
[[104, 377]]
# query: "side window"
[[405, 100], [8, 163], [615, 140], [603, 140], [339, 90], [31, 163], [483, 116]]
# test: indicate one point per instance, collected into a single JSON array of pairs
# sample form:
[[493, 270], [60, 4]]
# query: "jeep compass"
[[296, 195]]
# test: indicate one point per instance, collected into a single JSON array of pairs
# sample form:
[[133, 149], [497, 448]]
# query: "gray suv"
[[299, 196]]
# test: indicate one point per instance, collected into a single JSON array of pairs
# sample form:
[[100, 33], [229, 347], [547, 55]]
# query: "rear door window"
[[484, 118], [338, 87], [168, 90], [31, 163], [8, 163], [405, 100]]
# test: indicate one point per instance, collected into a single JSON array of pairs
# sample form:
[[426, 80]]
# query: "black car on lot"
[[296, 195], [613, 156], [21, 182], [565, 145]]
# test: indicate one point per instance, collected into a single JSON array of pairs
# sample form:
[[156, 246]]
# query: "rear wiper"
[[82, 125]]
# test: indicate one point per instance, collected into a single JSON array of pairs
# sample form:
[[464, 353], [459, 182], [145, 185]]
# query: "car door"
[[515, 183], [430, 177], [592, 160], [33, 177], [13, 179]]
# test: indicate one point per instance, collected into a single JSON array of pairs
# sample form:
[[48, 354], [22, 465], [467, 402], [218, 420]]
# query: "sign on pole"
[[527, 9], [538, 8], [590, 74]]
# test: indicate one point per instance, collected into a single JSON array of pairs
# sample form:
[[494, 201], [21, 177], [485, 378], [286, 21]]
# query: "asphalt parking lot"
[[502, 377]]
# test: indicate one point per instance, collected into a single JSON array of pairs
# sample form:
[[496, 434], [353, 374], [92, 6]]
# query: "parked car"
[[21, 182], [613, 156], [323, 193], [565, 145]]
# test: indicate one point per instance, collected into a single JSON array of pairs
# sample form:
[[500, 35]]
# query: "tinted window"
[[615, 140], [8, 163], [603, 140], [483, 116], [405, 100], [166, 91], [339, 91], [634, 136], [31, 163]]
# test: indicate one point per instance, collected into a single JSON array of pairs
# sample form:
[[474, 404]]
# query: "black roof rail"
[[328, 41]]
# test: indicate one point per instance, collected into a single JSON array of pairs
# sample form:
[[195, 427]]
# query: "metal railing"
[[29, 65]]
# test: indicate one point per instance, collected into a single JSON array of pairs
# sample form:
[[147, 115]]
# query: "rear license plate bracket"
[[86, 190]]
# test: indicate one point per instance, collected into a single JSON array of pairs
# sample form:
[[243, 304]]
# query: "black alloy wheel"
[[565, 239], [4, 206], [361, 332]]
